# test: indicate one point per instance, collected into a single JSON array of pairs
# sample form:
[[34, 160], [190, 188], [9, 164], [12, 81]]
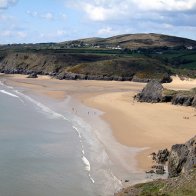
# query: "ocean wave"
[[57, 115], [88, 168], [8, 93], [2, 83], [91, 179], [110, 181], [41, 106], [79, 135], [86, 163]]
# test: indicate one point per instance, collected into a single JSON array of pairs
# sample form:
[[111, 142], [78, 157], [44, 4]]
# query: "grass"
[[143, 67], [184, 185], [90, 61], [181, 59], [150, 188], [168, 92]]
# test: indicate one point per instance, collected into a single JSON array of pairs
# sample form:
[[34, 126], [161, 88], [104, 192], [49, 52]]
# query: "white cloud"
[[166, 5], [48, 16], [11, 33], [5, 18], [21, 34], [4, 4], [54, 35], [106, 31], [97, 13], [63, 16], [103, 10], [60, 32], [6, 33], [32, 13]]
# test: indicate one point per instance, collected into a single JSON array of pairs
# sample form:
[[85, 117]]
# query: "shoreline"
[[158, 125]]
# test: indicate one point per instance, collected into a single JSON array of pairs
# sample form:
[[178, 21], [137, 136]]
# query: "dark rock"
[[126, 180], [60, 76], [162, 156], [142, 80], [166, 78], [159, 169], [150, 171], [182, 158], [32, 75], [152, 92], [167, 98], [194, 101], [52, 74], [154, 156], [181, 99]]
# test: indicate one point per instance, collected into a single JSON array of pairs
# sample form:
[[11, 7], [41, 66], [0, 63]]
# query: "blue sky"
[[26, 21]]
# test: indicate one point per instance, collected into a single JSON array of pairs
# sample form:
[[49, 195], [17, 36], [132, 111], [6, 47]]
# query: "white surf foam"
[[79, 135], [88, 168], [86, 163], [1, 83], [112, 182], [8, 93], [91, 179], [44, 108]]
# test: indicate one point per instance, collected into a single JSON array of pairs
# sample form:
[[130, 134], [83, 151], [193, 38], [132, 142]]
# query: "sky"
[[35, 21]]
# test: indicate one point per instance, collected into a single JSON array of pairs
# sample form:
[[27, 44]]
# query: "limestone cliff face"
[[182, 158]]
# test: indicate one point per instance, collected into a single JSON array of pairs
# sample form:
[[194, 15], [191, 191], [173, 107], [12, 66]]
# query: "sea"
[[47, 153], [46, 150]]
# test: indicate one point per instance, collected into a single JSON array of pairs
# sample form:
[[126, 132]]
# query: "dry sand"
[[154, 126], [178, 84]]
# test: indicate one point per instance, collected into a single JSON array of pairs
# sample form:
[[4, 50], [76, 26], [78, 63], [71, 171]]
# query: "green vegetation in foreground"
[[184, 185]]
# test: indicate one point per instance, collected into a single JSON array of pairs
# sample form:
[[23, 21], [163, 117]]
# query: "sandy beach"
[[143, 125]]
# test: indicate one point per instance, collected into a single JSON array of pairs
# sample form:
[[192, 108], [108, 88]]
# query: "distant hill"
[[136, 57], [135, 41]]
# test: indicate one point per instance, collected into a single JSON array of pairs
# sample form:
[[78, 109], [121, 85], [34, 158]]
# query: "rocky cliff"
[[182, 175], [182, 158], [72, 66], [154, 92]]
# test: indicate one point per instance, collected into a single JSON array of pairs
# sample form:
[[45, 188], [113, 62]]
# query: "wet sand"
[[143, 125]]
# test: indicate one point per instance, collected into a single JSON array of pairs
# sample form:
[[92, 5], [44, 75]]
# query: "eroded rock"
[[182, 158], [151, 93]]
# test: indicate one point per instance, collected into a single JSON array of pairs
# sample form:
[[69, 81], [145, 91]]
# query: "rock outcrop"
[[161, 157], [182, 185], [32, 75], [181, 169], [152, 92], [186, 100], [182, 158]]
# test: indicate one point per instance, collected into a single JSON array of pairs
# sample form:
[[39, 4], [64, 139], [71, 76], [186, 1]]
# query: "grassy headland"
[[145, 56]]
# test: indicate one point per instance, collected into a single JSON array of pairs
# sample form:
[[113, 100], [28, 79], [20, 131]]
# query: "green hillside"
[[154, 57]]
